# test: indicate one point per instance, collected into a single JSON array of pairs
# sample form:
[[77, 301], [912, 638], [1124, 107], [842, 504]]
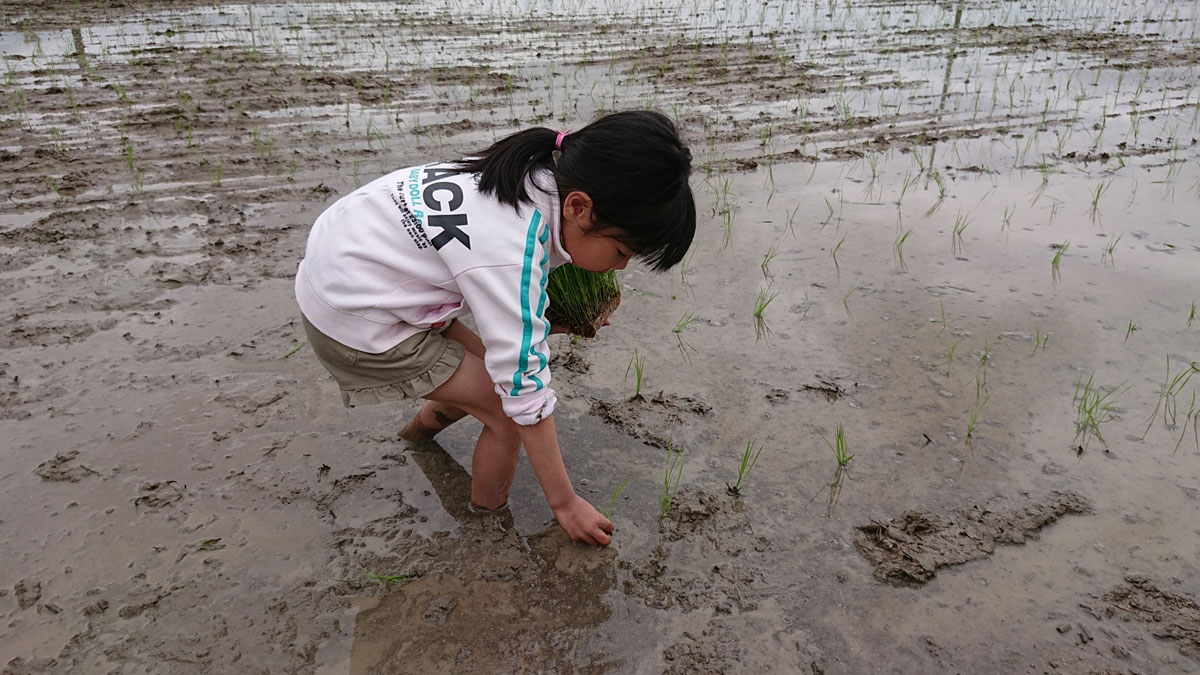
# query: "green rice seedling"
[[1130, 329], [387, 578], [1094, 210], [726, 228], [766, 261], [1093, 408], [980, 401], [1045, 168], [828, 205], [957, 244], [873, 161], [1193, 420], [841, 471], [683, 345], [1055, 273], [941, 183], [296, 348], [219, 170], [637, 364], [950, 352], [898, 247], [920, 161], [833, 254], [846, 302], [1108, 255], [1168, 392], [616, 494], [945, 324], [791, 218], [749, 459], [671, 475], [839, 447], [1040, 341], [683, 268], [581, 301], [904, 187], [1006, 219], [1192, 315], [985, 354], [765, 296]]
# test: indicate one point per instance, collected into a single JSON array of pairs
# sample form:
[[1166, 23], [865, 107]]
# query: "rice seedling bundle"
[[581, 301]]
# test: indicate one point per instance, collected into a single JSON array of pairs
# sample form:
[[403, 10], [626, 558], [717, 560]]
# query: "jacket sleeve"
[[509, 302]]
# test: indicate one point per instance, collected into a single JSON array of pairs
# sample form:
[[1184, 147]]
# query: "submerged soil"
[[962, 234]]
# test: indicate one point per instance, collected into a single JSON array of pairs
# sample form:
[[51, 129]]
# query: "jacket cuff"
[[530, 409]]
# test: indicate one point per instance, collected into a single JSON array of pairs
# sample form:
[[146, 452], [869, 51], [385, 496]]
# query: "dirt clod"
[[908, 551], [1175, 616], [440, 609]]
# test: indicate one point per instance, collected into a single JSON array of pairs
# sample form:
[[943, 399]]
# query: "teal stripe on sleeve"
[[543, 298], [526, 314]]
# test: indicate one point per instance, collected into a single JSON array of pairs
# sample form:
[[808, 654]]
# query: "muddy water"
[[183, 493]]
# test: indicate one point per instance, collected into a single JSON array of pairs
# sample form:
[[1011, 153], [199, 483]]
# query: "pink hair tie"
[[558, 141]]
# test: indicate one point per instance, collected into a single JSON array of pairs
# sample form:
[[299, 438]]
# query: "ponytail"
[[631, 164], [503, 167]]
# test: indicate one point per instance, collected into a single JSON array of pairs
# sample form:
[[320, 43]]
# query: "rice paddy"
[[162, 166]]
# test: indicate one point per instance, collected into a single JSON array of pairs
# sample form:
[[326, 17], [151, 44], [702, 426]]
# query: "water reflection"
[[490, 600]]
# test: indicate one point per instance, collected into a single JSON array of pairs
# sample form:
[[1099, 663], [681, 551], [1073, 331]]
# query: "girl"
[[389, 267]]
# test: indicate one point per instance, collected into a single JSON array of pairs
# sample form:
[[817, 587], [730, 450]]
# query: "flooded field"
[[946, 279]]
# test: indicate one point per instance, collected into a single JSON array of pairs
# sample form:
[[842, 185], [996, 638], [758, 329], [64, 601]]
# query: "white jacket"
[[410, 251]]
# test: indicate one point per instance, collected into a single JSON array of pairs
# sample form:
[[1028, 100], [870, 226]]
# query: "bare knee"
[[506, 432]]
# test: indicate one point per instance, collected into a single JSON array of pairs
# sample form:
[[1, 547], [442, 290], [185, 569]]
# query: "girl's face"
[[590, 246], [598, 253]]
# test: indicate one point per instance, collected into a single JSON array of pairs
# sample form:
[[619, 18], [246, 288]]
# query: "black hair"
[[631, 164]]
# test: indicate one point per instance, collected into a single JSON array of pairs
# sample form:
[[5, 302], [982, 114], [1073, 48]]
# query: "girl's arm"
[[579, 518]]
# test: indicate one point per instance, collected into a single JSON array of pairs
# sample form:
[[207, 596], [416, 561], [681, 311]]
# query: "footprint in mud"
[[907, 551], [155, 495], [28, 593], [1174, 616], [641, 417], [60, 469]]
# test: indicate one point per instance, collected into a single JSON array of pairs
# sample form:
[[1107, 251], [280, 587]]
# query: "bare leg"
[[499, 446], [434, 417], [492, 469]]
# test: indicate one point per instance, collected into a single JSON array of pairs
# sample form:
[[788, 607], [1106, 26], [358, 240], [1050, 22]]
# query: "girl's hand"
[[583, 522]]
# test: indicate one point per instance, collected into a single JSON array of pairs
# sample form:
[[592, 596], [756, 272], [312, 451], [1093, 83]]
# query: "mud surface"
[[962, 233], [1174, 616], [909, 550]]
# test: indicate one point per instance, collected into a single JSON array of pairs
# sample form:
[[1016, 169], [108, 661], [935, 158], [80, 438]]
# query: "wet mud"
[[1174, 616], [650, 418], [963, 233], [910, 549]]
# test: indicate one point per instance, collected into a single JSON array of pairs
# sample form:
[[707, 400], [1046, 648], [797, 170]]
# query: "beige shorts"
[[411, 369]]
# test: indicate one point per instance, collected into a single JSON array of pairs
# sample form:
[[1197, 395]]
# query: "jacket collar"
[[544, 193]]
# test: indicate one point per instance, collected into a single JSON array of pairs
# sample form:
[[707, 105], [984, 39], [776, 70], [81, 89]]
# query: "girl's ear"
[[577, 210]]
